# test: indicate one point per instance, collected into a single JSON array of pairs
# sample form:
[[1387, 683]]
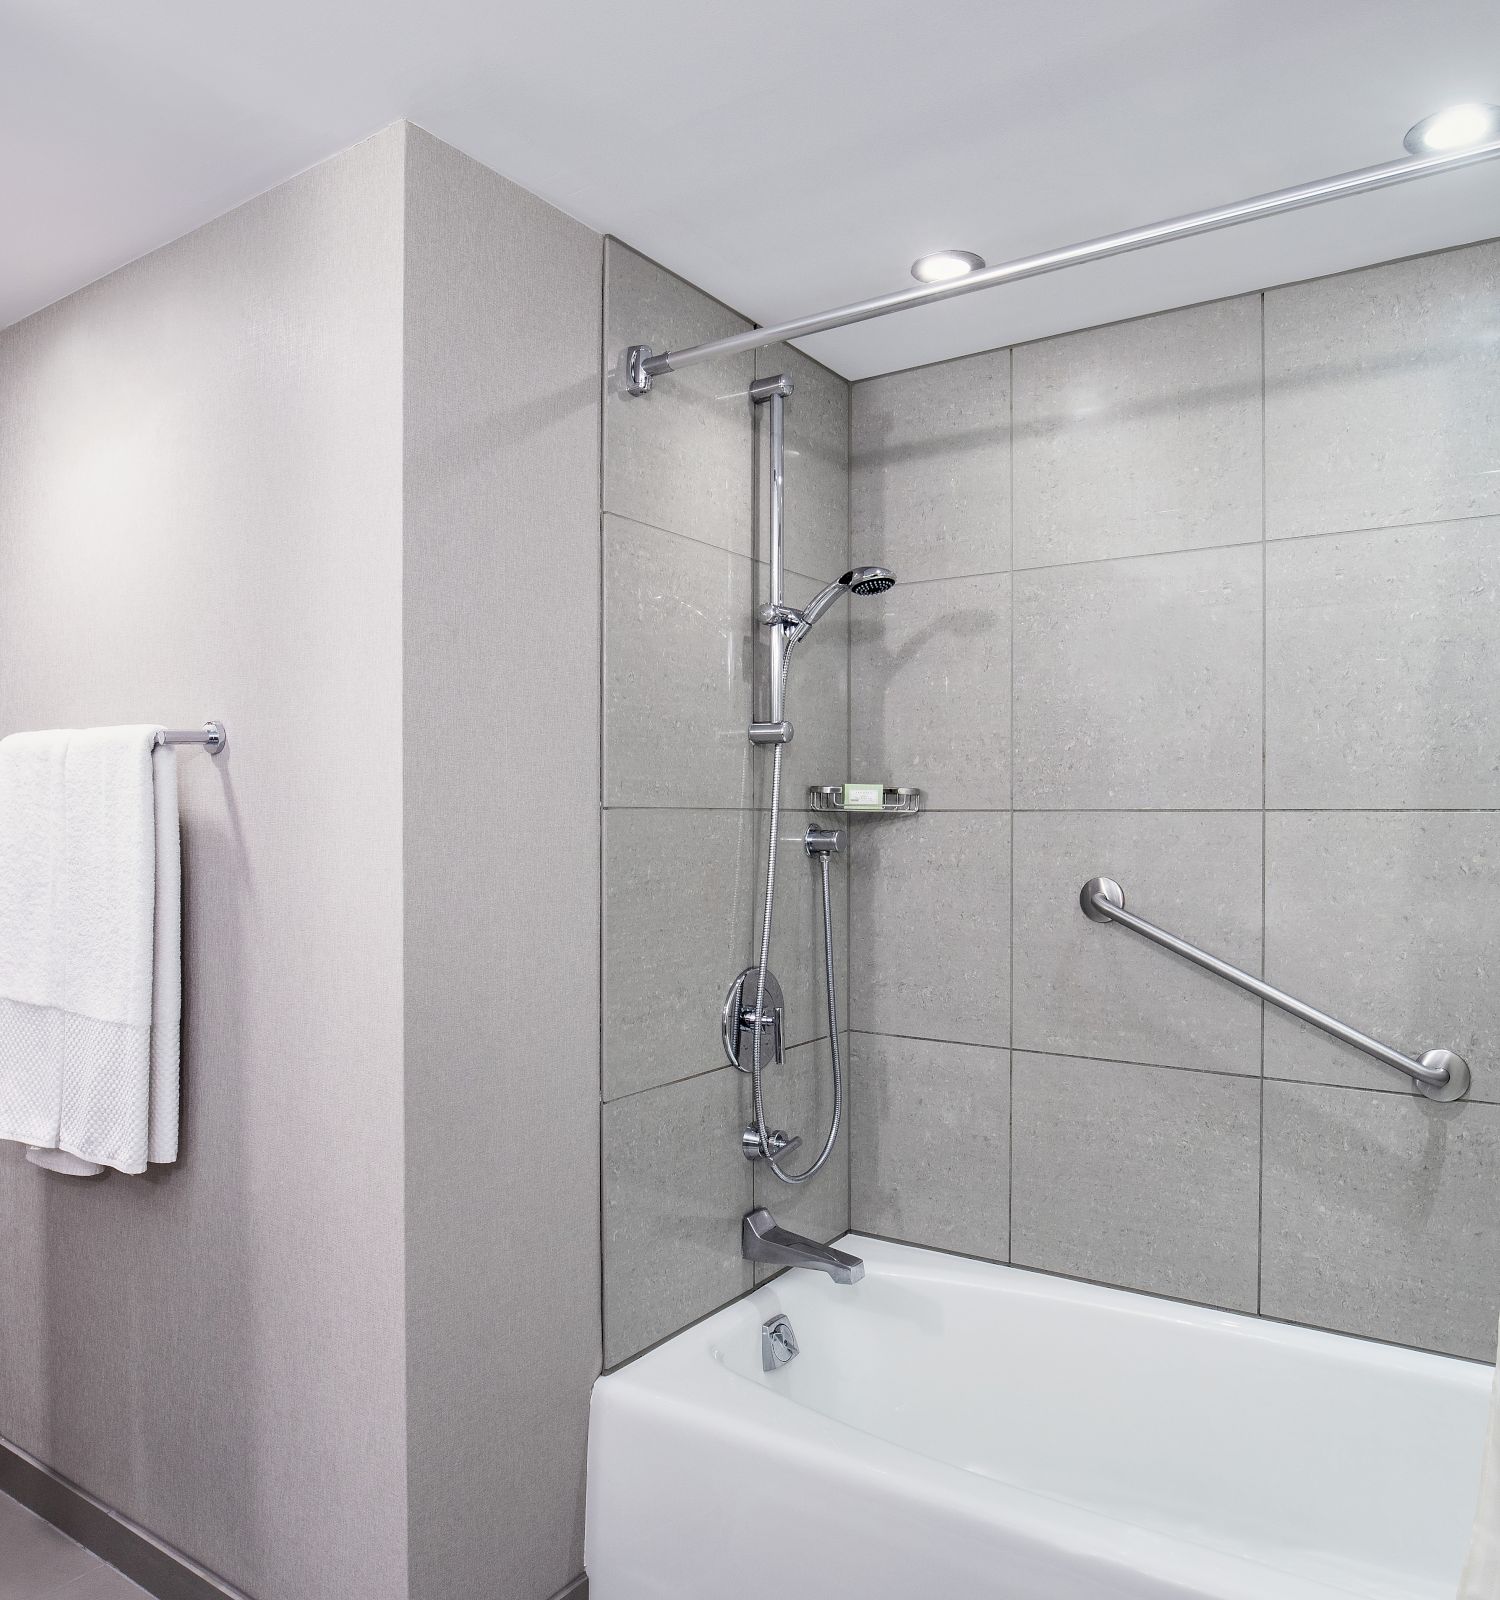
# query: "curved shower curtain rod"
[[640, 364]]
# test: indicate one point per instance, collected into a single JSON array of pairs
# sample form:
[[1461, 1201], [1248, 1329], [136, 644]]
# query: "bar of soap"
[[863, 796]]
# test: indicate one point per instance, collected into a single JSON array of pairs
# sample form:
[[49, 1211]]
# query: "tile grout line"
[[1265, 711], [850, 947], [1265, 539], [1398, 1090], [603, 787], [1010, 1009]]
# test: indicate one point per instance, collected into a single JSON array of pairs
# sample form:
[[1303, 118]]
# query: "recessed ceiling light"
[[1453, 129], [945, 264]]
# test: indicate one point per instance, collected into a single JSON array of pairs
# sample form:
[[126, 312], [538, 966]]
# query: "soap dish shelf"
[[893, 802]]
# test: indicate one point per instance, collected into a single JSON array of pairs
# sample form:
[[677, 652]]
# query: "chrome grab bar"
[[1439, 1074]]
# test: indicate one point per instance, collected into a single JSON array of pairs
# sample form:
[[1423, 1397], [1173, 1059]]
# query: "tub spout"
[[762, 1240]]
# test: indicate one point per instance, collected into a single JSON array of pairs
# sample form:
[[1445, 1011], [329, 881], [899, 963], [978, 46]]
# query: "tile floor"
[[39, 1563]]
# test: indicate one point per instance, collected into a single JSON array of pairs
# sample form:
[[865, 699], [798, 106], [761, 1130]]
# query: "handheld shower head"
[[868, 580], [858, 580]]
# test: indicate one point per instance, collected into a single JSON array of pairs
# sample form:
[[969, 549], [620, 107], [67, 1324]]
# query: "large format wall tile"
[[1138, 683], [1085, 988], [1383, 657], [798, 1098], [1140, 437], [675, 1189], [677, 670], [682, 898], [679, 893], [1390, 921], [1141, 1176], [929, 918], [680, 457], [930, 691], [816, 489], [1379, 1216], [1383, 395], [931, 1144], [930, 468]]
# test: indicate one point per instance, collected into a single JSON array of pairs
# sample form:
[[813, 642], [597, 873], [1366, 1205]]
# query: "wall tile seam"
[[1399, 1090], [1265, 790], [1264, 293], [710, 1072], [1267, 539], [1176, 1300], [702, 544], [1244, 811], [1011, 764]]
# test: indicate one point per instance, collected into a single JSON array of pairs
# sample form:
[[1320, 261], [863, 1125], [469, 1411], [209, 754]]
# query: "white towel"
[[90, 947]]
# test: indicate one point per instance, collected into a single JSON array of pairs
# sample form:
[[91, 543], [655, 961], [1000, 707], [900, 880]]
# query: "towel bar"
[[211, 735]]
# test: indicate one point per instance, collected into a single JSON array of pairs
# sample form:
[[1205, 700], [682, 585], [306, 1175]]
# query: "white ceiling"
[[787, 155]]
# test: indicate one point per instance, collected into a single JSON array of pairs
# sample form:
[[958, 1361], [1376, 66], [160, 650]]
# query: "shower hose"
[[830, 983]]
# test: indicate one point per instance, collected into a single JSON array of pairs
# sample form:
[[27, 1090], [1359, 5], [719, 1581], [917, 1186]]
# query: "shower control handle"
[[739, 1024]]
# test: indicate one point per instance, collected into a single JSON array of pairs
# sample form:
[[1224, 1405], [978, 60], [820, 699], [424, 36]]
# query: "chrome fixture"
[[858, 580], [823, 842], [893, 802], [943, 265], [1453, 128], [1439, 1074], [641, 364], [781, 1143], [761, 1239], [739, 1017], [772, 393], [795, 624], [778, 1343], [787, 626], [211, 736]]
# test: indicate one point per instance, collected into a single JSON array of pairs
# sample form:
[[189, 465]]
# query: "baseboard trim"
[[140, 1555]]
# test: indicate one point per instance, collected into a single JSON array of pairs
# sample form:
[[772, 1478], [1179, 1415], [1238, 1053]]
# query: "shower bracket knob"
[[771, 732], [779, 1142]]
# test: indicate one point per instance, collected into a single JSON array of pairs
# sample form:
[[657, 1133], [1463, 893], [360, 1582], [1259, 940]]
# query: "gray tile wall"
[[684, 822], [1208, 603]]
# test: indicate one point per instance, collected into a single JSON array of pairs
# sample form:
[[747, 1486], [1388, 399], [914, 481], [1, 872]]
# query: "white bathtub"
[[952, 1429]]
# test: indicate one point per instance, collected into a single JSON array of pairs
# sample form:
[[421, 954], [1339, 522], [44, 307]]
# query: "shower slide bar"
[[641, 364], [1439, 1074]]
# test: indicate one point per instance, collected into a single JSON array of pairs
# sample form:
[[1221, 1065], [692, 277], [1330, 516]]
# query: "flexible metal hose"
[[760, 983]]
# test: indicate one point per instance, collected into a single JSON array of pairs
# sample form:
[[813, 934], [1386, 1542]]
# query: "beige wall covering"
[[200, 515], [502, 878], [328, 470]]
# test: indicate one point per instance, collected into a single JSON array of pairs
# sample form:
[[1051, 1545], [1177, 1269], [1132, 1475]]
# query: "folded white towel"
[[90, 946]]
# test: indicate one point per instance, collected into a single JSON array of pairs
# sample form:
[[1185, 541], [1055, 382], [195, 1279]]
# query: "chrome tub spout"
[[762, 1240]]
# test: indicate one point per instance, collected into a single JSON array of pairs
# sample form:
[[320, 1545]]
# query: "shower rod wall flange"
[[640, 365]]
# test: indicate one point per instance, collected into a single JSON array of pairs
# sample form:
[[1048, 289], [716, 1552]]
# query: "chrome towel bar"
[[1439, 1074], [211, 736]]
